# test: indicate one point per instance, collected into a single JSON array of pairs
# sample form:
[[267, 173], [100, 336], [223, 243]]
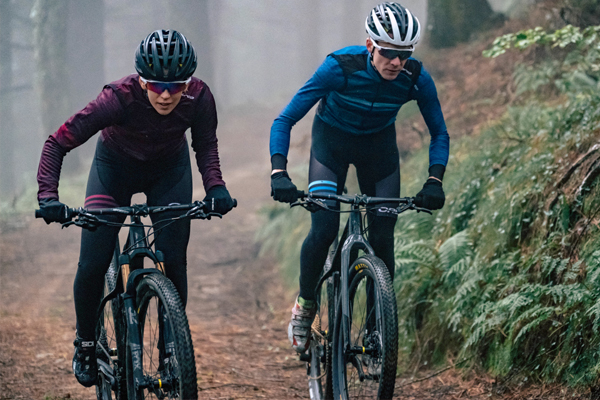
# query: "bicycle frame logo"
[[387, 210], [132, 317], [136, 355]]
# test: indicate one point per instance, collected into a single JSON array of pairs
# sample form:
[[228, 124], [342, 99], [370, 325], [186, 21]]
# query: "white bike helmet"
[[390, 22]]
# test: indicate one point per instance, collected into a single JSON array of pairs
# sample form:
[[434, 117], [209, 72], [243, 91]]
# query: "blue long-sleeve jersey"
[[356, 99]]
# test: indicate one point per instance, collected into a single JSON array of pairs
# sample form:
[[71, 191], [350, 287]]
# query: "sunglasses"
[[391, 54], [171, 87]]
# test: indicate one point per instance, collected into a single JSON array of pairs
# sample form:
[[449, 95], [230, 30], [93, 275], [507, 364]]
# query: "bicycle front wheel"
[[168, 362], [364, 365]]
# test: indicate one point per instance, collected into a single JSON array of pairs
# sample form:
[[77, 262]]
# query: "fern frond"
[[454, 249]]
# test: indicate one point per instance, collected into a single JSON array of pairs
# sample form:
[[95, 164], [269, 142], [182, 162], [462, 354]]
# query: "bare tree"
[[7, 168], [581, 13], [85, 61], [85, 50], [454, 21], [309, 24], [192, 18], [50, 52]]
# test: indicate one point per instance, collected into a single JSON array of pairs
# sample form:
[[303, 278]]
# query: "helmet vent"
[[165, 55]]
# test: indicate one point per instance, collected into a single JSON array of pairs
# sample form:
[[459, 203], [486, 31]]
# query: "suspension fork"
[[136, 249], [354, 242], [134, 340]]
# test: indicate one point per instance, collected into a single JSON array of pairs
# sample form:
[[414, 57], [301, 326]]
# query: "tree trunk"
[[454, 21], [85, 50], [85, 64], [308, 28], [7, 167], [52, 81], [192, 19], [582, 13]]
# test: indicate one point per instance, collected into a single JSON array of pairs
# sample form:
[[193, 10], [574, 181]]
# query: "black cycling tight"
[[376, 159], [112, 182]]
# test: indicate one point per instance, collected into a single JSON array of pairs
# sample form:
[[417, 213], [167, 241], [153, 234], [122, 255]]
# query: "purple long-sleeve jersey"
[[131, 127]]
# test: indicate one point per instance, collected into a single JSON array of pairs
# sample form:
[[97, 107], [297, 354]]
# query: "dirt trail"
[[237, 308]]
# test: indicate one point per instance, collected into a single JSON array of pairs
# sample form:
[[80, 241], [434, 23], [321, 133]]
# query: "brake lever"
[[310, 204], [83, 220], [88, 221], [197, 214], [67, 224], [421, 209]]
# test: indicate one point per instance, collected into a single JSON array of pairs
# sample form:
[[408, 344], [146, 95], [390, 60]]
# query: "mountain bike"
[[144, 348], [353, 351]]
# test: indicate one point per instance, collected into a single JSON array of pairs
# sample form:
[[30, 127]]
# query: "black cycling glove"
[[53, 210], [218, 200], [431, 196], [282, 188]]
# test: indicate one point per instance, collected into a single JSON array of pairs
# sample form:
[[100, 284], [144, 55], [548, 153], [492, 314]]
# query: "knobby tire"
[[373, 328], [155, 292]]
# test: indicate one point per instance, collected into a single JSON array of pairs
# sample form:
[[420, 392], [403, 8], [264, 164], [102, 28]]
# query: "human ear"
[[369, 45]]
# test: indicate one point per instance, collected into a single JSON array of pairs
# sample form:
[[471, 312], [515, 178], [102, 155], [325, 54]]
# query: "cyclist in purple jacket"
[[142, 148]]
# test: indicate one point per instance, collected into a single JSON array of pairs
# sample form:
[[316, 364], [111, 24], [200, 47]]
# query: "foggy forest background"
[[505, 278], [56, 55]]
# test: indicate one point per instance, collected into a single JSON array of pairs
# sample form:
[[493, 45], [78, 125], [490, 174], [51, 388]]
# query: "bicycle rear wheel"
[[167, 351], [367, 367], [110, 336], [320, 378]]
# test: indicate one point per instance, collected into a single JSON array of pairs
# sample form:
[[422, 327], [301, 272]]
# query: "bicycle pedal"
[[304, 357]]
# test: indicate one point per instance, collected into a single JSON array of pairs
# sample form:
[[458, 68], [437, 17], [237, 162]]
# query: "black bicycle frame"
[[350, 242], [130, 272]]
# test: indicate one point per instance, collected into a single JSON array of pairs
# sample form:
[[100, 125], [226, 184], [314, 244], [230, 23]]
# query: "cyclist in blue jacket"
[[360, 90]]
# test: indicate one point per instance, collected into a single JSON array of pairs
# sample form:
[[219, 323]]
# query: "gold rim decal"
[[358, 267]]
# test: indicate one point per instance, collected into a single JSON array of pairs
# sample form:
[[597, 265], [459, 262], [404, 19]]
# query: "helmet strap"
[[373, 63]]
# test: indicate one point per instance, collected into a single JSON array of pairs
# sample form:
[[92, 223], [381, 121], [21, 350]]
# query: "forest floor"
[[238, 306]]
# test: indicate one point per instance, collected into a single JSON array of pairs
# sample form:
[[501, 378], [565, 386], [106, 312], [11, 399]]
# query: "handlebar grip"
[[234, 203], [301, 194], [38, 214]]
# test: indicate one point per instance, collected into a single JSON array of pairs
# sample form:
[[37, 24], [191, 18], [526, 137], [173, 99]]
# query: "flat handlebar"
[[364, 200], [136, 209], [356, 199]]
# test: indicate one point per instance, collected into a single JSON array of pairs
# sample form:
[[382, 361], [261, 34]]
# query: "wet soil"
[[238, 306]]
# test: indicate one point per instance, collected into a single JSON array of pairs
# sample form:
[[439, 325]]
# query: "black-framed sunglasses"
[[391, 54]]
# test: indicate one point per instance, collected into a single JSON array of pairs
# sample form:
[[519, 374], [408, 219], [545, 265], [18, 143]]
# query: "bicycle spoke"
[[362, 371], [367, 368], [165, 338]]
